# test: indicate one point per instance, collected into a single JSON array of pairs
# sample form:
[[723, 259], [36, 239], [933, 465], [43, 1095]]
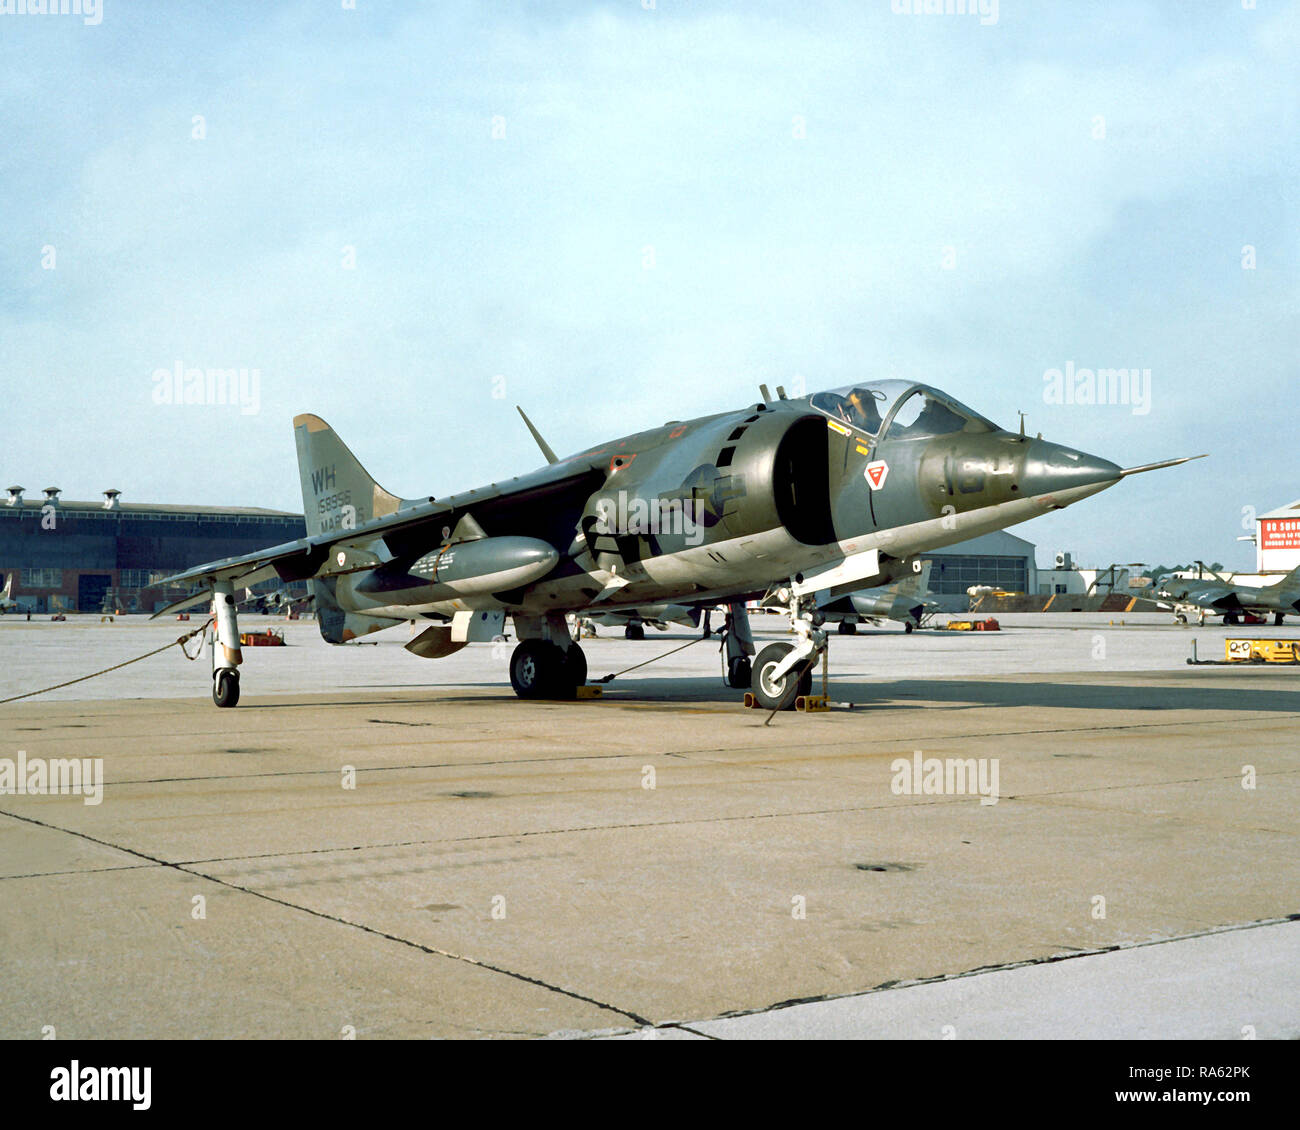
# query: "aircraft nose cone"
[[1051, 469]]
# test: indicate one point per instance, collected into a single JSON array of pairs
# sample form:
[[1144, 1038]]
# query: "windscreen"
[[862, 406], [926, 413]]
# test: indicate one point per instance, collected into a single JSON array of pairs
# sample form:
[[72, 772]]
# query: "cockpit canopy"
[[900, 409]]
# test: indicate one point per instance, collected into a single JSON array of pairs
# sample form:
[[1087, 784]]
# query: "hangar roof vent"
[[111, 499], [52, 496], [15, 496]]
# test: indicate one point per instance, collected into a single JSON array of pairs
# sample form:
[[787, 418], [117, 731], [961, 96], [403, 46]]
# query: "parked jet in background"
[[633, 621], [7, 602], [777, 501], [1218, 596], [903, 601]]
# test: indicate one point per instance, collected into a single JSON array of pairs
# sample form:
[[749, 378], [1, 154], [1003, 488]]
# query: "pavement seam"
[[434, 950], [979, 971]]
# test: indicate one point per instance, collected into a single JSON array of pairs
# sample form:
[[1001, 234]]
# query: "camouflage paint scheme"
[[856, 480]]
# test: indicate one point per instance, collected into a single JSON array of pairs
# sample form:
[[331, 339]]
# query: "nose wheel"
[[776, 689]]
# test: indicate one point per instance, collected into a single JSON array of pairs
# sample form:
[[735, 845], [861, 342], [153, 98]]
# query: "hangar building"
[[89, 556], [999, 559]]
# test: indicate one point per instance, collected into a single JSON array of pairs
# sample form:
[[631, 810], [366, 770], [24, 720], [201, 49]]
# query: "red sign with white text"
[[1279, 533]]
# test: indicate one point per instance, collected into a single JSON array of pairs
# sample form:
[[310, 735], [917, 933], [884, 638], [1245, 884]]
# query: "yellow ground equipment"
[[1261, 651]]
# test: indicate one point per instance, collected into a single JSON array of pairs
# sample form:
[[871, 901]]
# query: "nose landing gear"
[[783, 671]]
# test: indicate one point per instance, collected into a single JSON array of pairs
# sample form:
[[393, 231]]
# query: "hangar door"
[[91, 590]]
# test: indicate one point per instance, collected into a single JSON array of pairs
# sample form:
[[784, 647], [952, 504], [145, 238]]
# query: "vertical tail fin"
[[914, 584], [337, 492]]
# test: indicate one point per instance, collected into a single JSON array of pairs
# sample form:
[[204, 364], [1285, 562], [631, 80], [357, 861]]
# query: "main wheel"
[[537, 670], [225, 687], [908, 626], [634, 632], [575, 667], [1277, 619], [1231, 618], [739, 672], [847, 627], [778, 694]]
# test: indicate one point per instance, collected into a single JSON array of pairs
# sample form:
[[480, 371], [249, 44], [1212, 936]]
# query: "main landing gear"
[[541, 669], [738, 643], [547, 663]]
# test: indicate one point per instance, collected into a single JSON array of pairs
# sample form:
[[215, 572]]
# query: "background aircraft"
[[7, 602], [903, 601], [633, 621], [1216, 595], [778, 501]]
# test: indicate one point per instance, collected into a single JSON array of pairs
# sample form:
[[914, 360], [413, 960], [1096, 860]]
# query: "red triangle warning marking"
[[876, 473]]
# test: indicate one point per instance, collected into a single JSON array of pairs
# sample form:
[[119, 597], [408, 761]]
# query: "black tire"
[[1178, 616], [908, 626], [1231, 618], [739, 672], [225, 687], [848, 628], [1277, 619], [575, 666], [778, 696], [634, 632], [536, 669]]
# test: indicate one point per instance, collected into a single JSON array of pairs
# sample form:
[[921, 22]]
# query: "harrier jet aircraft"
[[1220, 597], [788, 501]]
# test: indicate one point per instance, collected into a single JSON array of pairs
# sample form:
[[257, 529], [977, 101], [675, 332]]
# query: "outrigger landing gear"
[[226, 655], [547, 664], [739, 643], [783, 671]]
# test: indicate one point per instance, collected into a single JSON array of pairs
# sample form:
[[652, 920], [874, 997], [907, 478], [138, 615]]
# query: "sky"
[[407, 218]]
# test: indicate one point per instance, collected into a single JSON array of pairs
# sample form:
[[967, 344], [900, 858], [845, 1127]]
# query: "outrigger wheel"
[[541, 669], [778, 694], [225, 686]]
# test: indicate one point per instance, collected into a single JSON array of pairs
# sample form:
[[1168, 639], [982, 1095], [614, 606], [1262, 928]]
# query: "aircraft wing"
[[504, 505]]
